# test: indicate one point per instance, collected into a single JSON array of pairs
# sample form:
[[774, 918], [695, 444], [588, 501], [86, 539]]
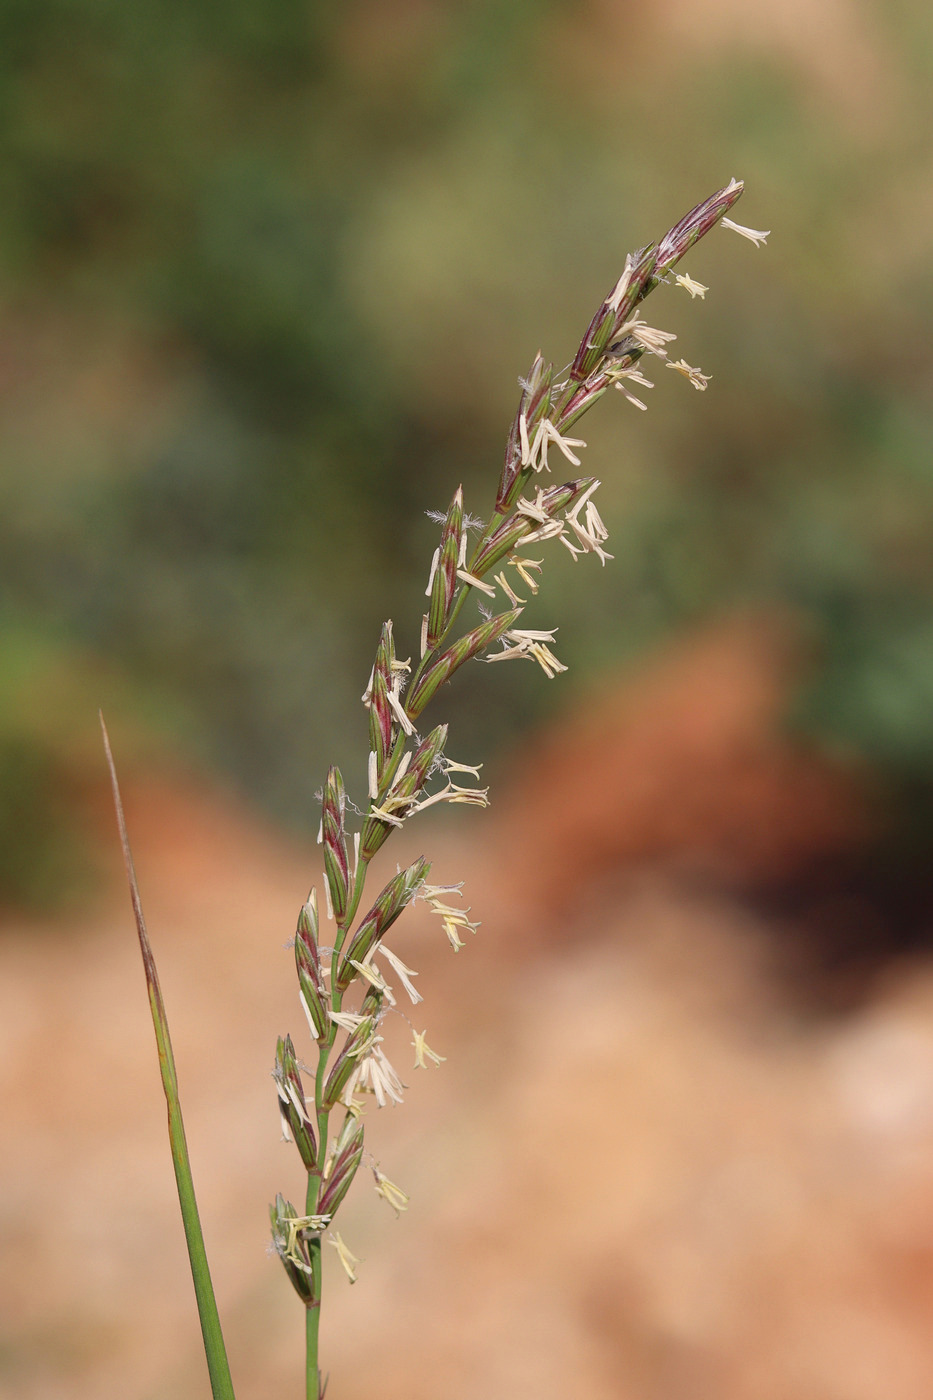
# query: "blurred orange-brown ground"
[[655, 1163]]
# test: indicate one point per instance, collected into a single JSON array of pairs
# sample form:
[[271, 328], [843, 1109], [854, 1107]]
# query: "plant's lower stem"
[[312, 1201], [312, 1198], [312, 1324]]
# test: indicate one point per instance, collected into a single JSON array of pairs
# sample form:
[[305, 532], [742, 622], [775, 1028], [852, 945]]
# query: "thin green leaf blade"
[[217, 1365]]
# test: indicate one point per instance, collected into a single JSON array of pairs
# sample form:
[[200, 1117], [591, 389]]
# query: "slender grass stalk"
[[402, 763], [217, 1365]]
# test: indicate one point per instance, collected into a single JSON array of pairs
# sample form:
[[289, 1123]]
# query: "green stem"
[[312, 1198], [313, 1311]]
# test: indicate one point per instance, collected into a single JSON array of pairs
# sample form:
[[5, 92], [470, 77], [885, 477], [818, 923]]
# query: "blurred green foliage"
[[269, 273]]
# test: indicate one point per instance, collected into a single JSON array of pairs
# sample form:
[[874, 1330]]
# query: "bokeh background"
[[269, 273]]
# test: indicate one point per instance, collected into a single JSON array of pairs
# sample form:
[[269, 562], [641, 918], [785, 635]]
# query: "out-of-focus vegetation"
[[269, 273]]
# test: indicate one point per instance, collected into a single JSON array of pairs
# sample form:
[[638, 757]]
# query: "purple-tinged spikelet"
[[334, 837], [308, 964], [377, 698], [296, 1120], [348, 1153], [681, 238], [444, 577], [455, 656], [395, 897]]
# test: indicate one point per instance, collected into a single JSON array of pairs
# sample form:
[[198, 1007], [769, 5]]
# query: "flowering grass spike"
[[345, 993]]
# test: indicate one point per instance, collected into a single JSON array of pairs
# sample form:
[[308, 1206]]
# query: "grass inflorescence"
[[349, 978]]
